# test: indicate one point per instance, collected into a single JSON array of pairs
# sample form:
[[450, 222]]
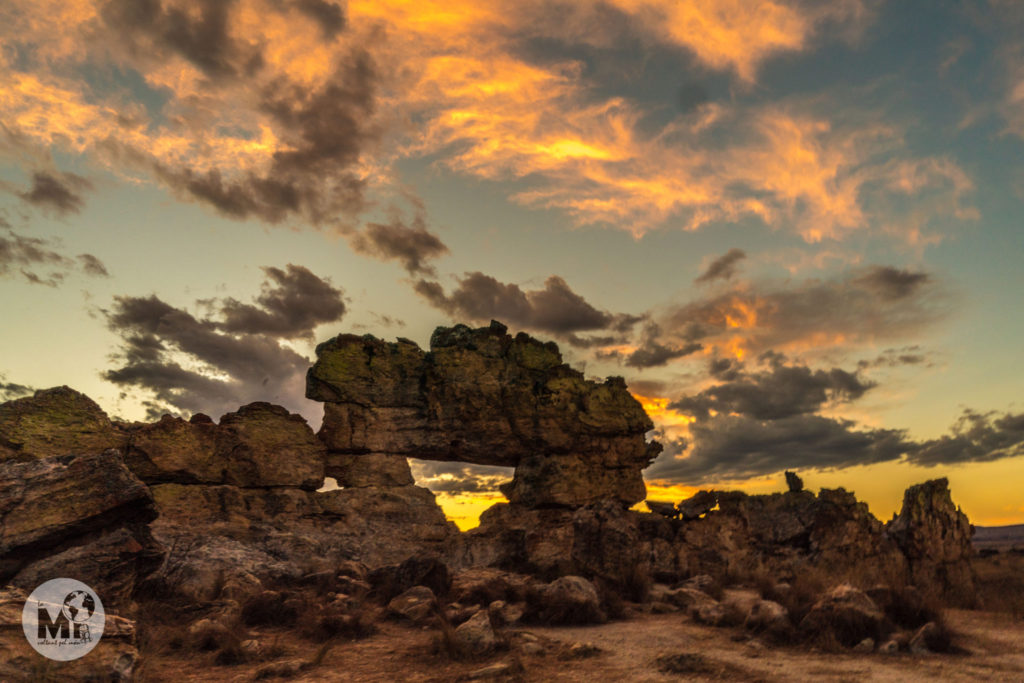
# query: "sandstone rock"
[[712, 613], [258, 446], [865, 646], [698, 504], [173, 450], [475, 637], [214, 533], [503, 614], [926, 639], [52, 422], [416, 604], [268, 446], [689, 599], [86, 510], [598, 541], [498, 670], [113, 659], [935, 536], [370, 469], [794, 482], [847, 613], [566, 600], [481, 396], [769, 618], [664, 509], [701, 582]]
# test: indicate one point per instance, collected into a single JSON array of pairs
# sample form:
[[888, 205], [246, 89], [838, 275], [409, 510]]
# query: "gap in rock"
[[463, 490]]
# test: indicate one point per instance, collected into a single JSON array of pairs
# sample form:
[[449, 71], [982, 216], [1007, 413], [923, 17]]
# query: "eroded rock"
[[480, 396], [57, 421]]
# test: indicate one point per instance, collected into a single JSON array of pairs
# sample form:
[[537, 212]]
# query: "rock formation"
[[935, 536], [480, 396], [81, 514]]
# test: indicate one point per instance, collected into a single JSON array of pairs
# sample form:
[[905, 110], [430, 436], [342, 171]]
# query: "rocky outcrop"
[[259, 446], [57, 421], [481, 396], [87, 515], [935, 536]]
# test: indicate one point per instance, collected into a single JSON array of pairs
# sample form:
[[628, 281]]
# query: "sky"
[[794, 227]]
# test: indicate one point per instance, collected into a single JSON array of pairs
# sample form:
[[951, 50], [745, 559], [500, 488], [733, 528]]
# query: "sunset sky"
[[794, 227]]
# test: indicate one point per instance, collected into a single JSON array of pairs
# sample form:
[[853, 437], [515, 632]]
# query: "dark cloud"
[[328, 15], [152, 28], [11, 390], [292, 303], [738, 447], [61, 192], [555, 308], [323, 134], [92, 265], [651, 353], [412, 245], [723, 267], [976, 437], [893, 283], [455, 477], [25, 255], [212, 365], [691, 96], [780, 392]]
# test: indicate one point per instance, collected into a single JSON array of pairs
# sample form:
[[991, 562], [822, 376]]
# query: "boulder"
[[769, 618], [265, 445], [481, 396], [83, 511], [417, 604], [175, 450], [794, 482], [567, 600], [697, 505], [935, 536], [428, 571], [58, 421], [667, 510], [846, 613], [475, 637]]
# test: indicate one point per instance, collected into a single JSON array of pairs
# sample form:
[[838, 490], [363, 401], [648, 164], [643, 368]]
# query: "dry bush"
[[806, 589], [612, 602]]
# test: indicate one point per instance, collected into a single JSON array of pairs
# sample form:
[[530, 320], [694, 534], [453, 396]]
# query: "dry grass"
[[1001, 583]]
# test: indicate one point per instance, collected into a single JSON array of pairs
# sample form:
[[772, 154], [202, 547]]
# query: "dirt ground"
[[629, 651]]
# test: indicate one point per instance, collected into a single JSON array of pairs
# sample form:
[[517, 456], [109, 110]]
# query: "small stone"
[[865, 646]]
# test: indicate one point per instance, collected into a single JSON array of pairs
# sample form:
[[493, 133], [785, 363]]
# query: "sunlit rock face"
[[481, 396]]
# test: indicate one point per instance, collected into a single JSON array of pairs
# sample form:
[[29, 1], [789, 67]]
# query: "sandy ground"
[[629, 651]]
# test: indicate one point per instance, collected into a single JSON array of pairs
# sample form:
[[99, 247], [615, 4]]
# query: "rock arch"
[[480, 396]]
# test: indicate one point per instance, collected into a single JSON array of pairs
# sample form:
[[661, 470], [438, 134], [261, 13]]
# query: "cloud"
[[93, 266], [293, 302], [213, 365], [199, 34], [554, 308], [25, 255], [58, 192], [739, 447], [411, 245], [908, 355], [862, 306], [650, 353], [723, 267], [780, 392], [455, 478], [297, 110], [10, 390], [975, 437]]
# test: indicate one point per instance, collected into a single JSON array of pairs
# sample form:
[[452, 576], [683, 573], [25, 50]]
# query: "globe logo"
[[63, 619], [79, 606]]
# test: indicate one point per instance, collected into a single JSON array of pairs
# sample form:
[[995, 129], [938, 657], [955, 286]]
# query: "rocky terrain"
[[219, 528]]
